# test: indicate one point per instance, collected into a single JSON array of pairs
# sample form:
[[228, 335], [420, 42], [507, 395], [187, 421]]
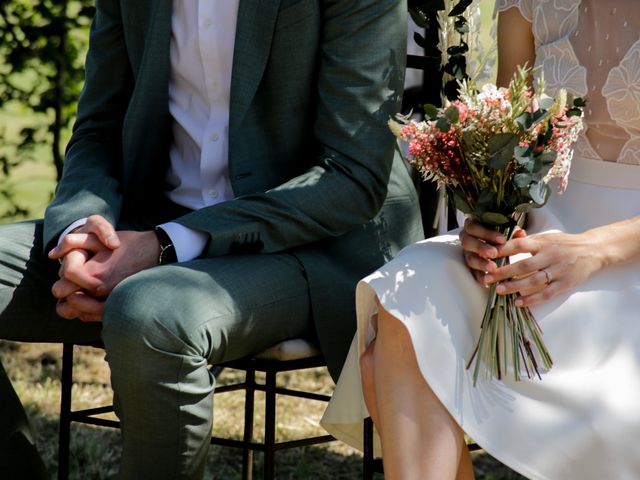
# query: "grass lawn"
[[95, 451]]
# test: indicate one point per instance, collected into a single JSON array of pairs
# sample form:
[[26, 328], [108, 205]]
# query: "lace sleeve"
[[525, 7]]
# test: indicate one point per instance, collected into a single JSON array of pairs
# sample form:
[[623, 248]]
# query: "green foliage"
[[42, 45], [425, 14]]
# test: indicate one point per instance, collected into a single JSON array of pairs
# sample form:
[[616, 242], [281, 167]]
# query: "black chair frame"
[[250, 366]]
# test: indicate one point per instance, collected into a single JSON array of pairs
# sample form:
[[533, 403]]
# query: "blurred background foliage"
[[42, 49]]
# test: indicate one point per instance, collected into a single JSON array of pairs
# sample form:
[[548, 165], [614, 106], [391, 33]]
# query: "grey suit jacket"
[[311, 160]]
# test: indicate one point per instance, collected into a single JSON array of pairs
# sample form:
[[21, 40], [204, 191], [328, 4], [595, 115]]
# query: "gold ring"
[[548, 279]]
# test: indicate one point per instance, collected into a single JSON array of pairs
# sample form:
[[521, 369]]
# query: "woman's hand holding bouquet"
[[496, 151]]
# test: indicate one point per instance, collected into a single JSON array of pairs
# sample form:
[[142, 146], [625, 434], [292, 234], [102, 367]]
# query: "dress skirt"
[[582, 420]]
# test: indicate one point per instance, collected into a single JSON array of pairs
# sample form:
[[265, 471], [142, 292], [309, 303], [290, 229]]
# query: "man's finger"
[[74, 241], [65, 310], [85, 317], [73, 271], [103, 230], [63, 288], [85, 304]]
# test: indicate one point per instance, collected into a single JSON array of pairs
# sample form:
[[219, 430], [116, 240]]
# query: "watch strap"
[[167, 250]]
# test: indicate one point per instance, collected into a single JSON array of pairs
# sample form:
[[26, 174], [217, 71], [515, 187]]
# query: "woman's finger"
[[532, 283], [475, 245], [489, 235], [478, 263], [541, 296]]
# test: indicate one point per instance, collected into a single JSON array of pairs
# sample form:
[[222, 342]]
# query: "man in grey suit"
[[229, 179]]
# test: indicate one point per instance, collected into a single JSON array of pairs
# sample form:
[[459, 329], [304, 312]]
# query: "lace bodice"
[[592, 48]]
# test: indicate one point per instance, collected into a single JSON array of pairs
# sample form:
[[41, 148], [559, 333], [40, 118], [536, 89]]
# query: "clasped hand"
[[558, 261], [94, 259]]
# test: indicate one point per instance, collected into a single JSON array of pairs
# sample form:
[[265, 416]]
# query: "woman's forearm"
[[617, 242]]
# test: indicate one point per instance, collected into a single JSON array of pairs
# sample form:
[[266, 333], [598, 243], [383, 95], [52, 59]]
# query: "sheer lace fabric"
[[592, 48]]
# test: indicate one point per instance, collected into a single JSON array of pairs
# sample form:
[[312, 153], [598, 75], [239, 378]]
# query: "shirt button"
[[207, 23], [213, 193], [214, 137]]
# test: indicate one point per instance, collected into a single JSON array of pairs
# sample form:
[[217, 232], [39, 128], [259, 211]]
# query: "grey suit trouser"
[[161, 330]]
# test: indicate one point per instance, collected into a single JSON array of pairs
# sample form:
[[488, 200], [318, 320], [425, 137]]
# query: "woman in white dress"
[[419, 316]]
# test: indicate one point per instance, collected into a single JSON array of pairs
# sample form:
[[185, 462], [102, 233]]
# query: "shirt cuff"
[[188, 243], [73, 226]]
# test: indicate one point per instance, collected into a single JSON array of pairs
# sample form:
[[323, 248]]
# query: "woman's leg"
[[420, 440], [368, 383]]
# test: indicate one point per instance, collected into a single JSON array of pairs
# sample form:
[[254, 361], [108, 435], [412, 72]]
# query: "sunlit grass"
[[95, 451]]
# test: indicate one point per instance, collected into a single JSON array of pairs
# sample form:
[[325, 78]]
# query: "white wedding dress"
[[582, 420]]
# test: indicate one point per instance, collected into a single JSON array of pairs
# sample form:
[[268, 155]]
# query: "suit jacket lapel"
[[254, 32], [150, 103]]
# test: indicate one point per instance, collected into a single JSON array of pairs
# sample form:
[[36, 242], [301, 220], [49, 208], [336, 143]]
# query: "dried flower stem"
[[507, 332]]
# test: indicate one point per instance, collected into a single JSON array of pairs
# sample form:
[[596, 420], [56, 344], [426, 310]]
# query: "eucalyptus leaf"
[[522, 152], [548, 157], [503, 141], [574, 112], [522, 180], [461, 204], [443, 125], [539, 192], [485, 199], [524, 208], [494, 219], [545, 102], [500, 159], [525, 121], [539, 116], [579, 102], [469, 138], [528, 163], [452, 114], [459, 8], [461, 25], [431, 111]]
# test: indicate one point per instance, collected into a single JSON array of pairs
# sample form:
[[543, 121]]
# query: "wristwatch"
[[167, 250]]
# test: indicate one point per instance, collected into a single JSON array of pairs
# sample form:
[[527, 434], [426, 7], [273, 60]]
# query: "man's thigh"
[[27, 307], [218, 309]]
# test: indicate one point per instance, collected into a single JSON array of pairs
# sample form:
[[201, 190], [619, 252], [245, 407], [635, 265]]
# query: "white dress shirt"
[[202, 42]]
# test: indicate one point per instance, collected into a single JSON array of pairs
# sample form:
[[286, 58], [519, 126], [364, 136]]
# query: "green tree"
[[42, 47]]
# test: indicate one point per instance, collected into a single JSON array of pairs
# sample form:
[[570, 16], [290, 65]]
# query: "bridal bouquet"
[[496, 151]]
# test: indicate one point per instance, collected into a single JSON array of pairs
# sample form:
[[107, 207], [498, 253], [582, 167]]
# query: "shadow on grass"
[[96, 451], [95, 455]]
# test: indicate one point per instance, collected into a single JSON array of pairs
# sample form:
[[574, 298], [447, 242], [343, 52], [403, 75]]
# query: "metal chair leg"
[[64, 434], [247, 453], [367, 462], [270, 426]]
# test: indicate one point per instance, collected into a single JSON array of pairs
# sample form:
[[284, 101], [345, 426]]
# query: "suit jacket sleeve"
[[89, 183], [360, 82]]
